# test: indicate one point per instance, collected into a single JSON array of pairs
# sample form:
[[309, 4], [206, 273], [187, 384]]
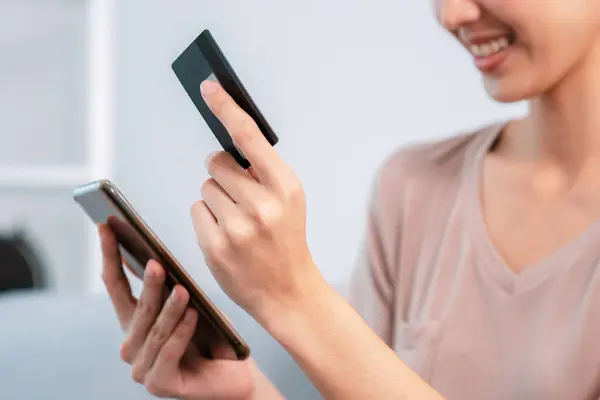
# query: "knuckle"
[[296, 189], [268, 213], [293, 189], [137, 374], [207, 186], [125, 352], [219, 158], [218, 105], [241, 232], [196, 207], [244, 131], [157, 389], [168, 354], [145, 309], [213, 162], [158, 336]]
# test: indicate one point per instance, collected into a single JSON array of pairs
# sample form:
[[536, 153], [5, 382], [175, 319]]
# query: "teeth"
[[493, 46]]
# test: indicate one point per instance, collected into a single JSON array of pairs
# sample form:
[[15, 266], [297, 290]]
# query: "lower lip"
[[492, 62]]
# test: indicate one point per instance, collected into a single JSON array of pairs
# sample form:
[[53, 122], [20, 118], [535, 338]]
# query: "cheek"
[[540, 62], [555, 32], [553, 49]]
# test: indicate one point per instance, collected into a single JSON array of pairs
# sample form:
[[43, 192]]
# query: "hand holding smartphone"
[[105, 204]]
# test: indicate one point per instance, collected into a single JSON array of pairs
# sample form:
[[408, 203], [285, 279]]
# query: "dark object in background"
[[21, 266]]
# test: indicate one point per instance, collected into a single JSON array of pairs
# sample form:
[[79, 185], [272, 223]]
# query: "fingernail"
[[149, 268], [152, 270], [208, 87], [149, 273]]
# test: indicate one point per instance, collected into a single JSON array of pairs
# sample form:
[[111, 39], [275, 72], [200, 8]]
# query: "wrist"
[[289, 319]]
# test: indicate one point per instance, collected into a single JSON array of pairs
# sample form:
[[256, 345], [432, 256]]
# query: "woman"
[[479, 267]]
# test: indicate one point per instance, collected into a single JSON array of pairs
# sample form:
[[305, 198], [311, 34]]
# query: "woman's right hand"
[[158, 334]]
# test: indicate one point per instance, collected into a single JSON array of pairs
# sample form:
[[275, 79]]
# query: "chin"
[[508, 90]]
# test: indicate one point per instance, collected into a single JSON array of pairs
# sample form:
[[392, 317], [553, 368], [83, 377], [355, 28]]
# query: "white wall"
[[342, 82], [42, 80], [42, 124]]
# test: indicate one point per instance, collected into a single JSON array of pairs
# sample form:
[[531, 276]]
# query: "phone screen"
[[134, 249]]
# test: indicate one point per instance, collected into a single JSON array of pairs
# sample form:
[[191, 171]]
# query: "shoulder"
[[430, 164], [414, 175]]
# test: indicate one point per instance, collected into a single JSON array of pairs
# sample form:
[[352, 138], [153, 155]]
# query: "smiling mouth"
[[492, 46]]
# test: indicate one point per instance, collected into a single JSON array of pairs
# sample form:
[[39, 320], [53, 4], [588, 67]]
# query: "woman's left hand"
[[251, 224]]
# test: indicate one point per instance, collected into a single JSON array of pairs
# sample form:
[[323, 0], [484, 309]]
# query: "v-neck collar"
[[492, 260]]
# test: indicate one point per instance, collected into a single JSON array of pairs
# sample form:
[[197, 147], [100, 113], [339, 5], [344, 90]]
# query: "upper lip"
[[473, 39]]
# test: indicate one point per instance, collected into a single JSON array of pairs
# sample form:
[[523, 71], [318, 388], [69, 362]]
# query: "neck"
[[565, 121]]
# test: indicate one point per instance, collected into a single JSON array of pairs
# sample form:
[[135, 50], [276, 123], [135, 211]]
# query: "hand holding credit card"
[[251, 224], [202, 60], [251, 220]]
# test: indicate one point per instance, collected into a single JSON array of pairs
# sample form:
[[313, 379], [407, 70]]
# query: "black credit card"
[[202, 60]]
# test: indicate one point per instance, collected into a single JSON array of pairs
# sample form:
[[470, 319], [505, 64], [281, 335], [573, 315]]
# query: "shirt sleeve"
[[371, 290]]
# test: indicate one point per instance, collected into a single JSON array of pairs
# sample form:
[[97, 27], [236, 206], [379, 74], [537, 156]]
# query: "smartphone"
[[105, 204], [203, 59]]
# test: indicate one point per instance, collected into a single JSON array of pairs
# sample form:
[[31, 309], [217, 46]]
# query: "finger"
[[245, 133], [114, 277], [147, 310], [161, 331], [166, 379], [219, 202], [208, 233], [239, 183], [173, 351]]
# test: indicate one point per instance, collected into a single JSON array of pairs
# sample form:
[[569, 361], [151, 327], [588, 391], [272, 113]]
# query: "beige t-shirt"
[[432, 285]]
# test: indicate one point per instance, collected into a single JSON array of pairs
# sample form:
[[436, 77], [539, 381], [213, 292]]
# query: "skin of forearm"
[[340, 354]]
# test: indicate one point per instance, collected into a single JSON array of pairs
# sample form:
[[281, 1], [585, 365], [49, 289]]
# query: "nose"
[[453, 14]]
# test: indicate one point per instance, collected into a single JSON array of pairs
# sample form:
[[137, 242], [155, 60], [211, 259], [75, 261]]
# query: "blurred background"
[[87, 92]]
